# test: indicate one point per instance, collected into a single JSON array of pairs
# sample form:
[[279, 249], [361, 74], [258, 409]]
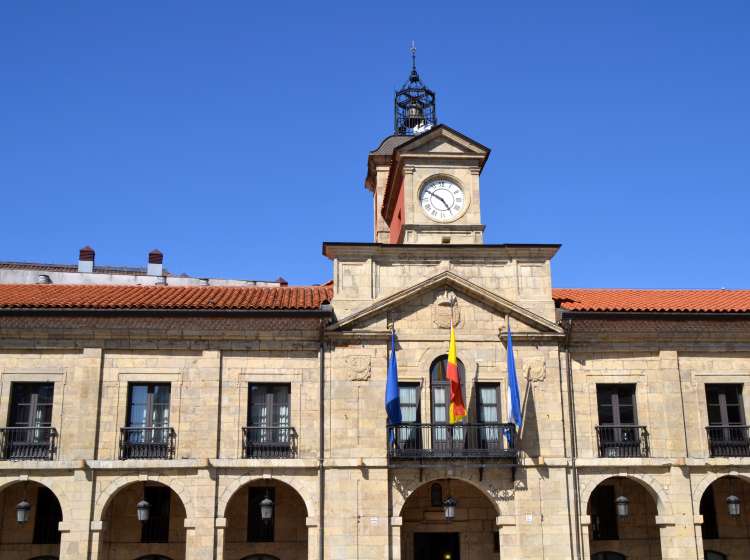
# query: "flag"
[[392, 401], [457, 408], [513, 393]]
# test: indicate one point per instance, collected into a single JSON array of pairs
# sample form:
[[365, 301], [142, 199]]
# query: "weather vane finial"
[[413, 55]]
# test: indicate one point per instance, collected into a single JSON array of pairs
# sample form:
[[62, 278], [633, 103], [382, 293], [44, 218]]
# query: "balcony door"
[[30, 421], [269, 423], [148, 431], [488, 414], [444, 437], [618, 434], [726, 420]]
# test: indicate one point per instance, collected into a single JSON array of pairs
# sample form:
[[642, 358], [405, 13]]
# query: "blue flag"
[[513, 393], [392, 401]]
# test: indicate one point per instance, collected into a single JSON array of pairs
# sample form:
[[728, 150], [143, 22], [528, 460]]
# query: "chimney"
[[86, 259], [281, 282], [155, 260]]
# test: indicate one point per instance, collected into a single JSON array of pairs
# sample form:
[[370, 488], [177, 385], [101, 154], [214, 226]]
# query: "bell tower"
[[414, 104], [425, 177]]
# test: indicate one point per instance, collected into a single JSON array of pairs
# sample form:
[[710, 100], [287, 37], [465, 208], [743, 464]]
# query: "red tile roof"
[[220, 298], [695, 301]]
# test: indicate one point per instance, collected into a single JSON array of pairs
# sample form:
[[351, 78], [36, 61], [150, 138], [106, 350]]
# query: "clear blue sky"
[[233, 136]]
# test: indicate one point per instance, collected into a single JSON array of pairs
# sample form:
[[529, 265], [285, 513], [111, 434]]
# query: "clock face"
[[442, 200]]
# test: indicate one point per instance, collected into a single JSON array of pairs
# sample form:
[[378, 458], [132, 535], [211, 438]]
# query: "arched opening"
[[623, 521], [428, 533], [726, 520], [37, 535], [440, 388], [266, 519], [158, 535]]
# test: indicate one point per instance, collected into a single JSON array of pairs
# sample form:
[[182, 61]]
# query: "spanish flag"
[[457, 408]]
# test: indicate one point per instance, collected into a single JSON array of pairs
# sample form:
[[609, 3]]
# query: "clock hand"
[[441, 199]]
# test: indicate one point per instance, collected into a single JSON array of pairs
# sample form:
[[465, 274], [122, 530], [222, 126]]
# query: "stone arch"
[[708, 480], [244, 480], [648, 482], [106, 496], [51, 484], [400, 498]]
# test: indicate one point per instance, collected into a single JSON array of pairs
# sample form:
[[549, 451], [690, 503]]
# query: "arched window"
[[260, 557], [441, 388], [713, 555], [608, 555], [436, 495]]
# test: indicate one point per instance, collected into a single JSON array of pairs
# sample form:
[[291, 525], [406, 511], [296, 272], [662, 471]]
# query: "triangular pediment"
[[442, 140], [444, 281]]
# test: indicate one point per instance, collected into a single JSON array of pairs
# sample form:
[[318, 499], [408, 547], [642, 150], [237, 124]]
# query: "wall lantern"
[[266, 509], [143, 509], [449, 508], [733, 505], [23, 509], [622, 505]]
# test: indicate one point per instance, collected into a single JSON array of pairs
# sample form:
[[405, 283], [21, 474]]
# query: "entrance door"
[[436, 546]]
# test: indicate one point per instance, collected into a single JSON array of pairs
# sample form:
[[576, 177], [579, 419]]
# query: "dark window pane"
[[47, 518], [603, 513], [436, 495], [257, 529], [627, 415], [714, 415], [156, 529], [734, 414], [708, 511]]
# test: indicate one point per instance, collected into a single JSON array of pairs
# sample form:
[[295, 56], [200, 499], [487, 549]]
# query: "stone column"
[[199, 539], [312, 537], [220, 524], [698, 527], [676, 538], [506, 526], [585, 529], [395, 528], [97, 530]]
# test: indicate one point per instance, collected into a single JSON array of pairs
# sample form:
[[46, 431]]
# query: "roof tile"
[[41, 296], [678, 301]]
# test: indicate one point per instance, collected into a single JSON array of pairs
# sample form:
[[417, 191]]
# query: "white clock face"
[[442, 200]]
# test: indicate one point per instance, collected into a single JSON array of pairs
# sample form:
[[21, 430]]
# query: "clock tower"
[[425, 177]]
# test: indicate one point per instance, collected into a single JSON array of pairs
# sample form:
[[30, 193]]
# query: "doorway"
[[436, 546]]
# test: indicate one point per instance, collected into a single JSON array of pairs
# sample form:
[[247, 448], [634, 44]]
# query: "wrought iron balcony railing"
[[728, 441], [147, 443], [28, 444], [622, 441], [269, 442], [456, 441]]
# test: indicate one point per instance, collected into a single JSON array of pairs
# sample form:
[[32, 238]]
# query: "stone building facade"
[[247, 422]]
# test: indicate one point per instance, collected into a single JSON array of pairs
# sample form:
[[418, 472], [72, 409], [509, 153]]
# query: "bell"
[[414, 115]]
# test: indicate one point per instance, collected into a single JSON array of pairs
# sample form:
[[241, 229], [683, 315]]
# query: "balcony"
[[147, 443], [445, 441], [622, 441], [728, 441], [28, 444], [269, 442]]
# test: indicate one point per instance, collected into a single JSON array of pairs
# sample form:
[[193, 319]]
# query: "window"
[[408, 394], [436, 495], [724, 405], [616, 404], [30, 434], [710, 527], [47, 517], [269, 410], [148, 406], [603, 513], [156, 529], [488, 412], [441, 388], [257, 529]]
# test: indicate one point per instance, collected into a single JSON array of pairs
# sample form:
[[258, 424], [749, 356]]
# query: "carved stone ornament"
[[360, 367], [446, 304], [534, 370]]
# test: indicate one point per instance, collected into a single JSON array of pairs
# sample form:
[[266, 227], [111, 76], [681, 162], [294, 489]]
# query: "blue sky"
[[233, 136]]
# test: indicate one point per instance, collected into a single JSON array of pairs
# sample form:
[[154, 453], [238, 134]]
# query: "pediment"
[[442, 140], [428, 293]]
